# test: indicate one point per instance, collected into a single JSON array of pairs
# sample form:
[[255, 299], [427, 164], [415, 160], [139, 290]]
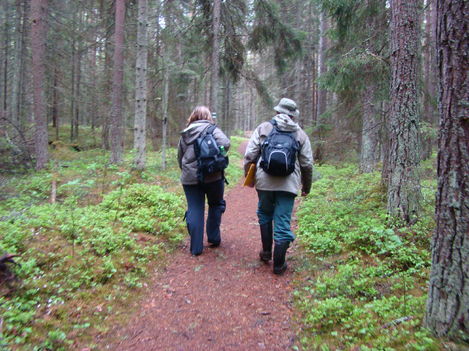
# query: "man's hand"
[[304, 193]]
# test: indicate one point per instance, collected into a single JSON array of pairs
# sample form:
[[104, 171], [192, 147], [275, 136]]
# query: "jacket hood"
[[285, 123], [192, 132]]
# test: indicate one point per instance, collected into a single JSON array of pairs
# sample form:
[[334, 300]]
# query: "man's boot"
[[280, 250], [267, 238]]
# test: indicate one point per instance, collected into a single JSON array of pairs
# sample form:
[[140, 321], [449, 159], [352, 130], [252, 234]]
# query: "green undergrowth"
[[364, 279], [85, 257]]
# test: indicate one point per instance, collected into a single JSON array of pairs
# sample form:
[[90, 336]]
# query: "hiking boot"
[[280, 250], [214, 244], [266, 236]]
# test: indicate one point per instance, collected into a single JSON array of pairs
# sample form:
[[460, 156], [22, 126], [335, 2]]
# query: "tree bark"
[[215, 56], [6, 45], [322, 93], [116, 132], [448, 297], [141, 86], [38, 47], [369, 154], [16, 88], [429, 72], [55, 103], [404, 183], [165, 113]]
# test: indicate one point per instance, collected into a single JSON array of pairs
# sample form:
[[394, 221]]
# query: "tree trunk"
[[6, 46], [369, 154], [215, 56], [116, 131], [429, 71], [448, 297], [38, 41], [73, 93], [76, 118], [404, 183], [141, 86], [322, 93], [165, 113], [55, 103], [16, 88]]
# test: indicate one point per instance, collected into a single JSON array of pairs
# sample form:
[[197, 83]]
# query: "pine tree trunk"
[[429, 69], [77, 94], [322, 93], [6, 45], [55, 103], [369, 154], [38, 48], [141, 86], [16, 88], [165, 113], [448, 297], [404, 183], [215, 56], [116, 131], [73, 93]]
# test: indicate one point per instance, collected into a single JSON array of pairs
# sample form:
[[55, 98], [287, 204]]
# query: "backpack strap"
[[210, 129]]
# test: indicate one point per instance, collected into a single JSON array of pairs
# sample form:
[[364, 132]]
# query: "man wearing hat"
[[277, 192]]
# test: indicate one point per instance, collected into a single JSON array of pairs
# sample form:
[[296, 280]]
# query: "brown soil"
[[225, 299]]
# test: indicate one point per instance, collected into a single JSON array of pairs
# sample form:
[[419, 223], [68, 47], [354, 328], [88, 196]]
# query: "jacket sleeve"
[[253, 150], [221, 138], [180, 153], [305, 158]]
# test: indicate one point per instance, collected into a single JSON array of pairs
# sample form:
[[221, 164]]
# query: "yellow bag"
[[251, 176]]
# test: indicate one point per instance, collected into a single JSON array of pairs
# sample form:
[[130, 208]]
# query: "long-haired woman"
[[195, 188]]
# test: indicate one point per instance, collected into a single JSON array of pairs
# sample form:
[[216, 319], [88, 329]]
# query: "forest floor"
[[225, 299]]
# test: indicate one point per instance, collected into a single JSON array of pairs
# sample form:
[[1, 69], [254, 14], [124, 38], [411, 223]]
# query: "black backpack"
[[210, 158], [278, 152]]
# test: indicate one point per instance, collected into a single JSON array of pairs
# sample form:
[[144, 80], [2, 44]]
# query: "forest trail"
[[225, 299]]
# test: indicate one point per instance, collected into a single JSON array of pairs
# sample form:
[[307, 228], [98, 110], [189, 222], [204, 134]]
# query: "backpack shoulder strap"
[[210, 129]]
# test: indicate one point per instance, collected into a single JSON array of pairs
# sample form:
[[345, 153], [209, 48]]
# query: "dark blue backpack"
[[210, 158], [278, 152]]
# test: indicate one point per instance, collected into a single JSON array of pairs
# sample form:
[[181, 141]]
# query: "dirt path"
[[225, 299]]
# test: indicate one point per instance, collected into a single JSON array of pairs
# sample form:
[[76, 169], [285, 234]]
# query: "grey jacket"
[[301, 177], [186, 154]]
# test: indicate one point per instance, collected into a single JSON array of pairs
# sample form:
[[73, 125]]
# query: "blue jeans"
[[276, 206], [195, 195]]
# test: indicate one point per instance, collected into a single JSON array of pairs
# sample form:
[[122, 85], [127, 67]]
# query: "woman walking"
[[197, 186]]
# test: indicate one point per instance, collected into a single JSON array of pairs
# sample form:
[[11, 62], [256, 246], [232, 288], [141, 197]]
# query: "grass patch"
[[365, 285]]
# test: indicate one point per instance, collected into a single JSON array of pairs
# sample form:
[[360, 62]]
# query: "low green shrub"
[[370, 273]]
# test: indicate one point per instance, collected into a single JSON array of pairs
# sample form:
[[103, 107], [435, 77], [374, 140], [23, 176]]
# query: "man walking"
[[281, 151]]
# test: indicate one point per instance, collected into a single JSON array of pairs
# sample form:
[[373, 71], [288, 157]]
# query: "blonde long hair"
[[200, 113]]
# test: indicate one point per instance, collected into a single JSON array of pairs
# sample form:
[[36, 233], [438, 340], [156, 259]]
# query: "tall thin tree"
[[403, 158], [141, 85], [448, 296], [117, 131], [38, 46], [215, 55]]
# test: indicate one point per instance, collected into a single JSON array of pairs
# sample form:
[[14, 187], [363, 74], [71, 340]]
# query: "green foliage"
[[234, 170], [141, 207], [89, 248], [94, 243], [271, 29], [370, 274]]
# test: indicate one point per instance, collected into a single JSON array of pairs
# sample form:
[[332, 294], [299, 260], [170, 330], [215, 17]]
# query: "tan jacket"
[[300, 178]]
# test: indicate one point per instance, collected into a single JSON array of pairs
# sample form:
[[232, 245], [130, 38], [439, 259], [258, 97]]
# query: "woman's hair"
[[200, 113]]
